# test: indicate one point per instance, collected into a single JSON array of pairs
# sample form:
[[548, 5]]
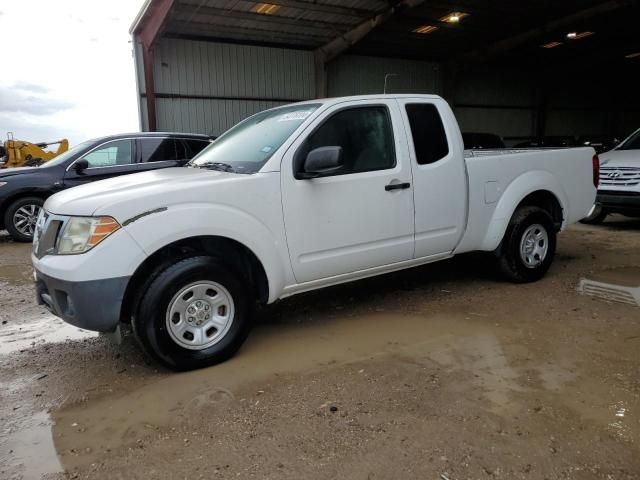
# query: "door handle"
[[397, 186]]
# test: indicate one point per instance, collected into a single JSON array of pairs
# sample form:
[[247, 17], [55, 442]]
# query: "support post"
[[149, 88], [147, 31], [321, 75]]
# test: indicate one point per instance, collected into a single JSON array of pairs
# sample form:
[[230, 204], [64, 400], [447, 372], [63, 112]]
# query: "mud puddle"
[[16, 274], [30, 450], [84, 432], [617, 410], [621, 285], [456, 340], [38, 331]]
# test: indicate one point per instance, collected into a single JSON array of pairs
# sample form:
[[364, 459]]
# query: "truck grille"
[[620, 176], [46, 234]]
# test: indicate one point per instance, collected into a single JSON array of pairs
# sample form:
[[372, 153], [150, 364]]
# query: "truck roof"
[[378, 96]]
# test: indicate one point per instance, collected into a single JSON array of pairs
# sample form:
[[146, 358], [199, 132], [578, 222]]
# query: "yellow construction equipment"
[[20, 153]]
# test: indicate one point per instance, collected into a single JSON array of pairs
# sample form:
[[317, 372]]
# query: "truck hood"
[[129, 195], [620, 158]]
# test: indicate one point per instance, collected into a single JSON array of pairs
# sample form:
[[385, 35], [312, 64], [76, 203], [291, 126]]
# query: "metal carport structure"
[[506, 67]]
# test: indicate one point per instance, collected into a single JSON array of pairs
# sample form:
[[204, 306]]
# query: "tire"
[[20, 211], [183, 344], [514, 263], [596, 215]]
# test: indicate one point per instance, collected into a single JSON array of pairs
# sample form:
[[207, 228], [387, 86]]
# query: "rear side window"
[[159, 149], [427, 130], [194, 147]]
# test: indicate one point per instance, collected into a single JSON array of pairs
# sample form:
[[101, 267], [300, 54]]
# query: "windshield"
[[68, 154], [631, 143], [246, 147]]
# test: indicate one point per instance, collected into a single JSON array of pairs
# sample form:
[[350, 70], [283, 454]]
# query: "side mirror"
[[321, 162], [81, 165]]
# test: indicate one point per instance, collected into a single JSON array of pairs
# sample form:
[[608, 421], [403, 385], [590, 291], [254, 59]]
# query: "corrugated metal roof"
[[297, 22], [309, 24]]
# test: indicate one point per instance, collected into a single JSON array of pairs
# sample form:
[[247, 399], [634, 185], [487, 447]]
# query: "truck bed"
[[495, 175], [505, 151]]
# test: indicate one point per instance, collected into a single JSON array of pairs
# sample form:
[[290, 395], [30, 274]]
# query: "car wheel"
[[528, 246], [195, 313], [21, 216], [596, 215]]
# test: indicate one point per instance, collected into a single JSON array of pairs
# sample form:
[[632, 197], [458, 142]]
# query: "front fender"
[[514, 193], [161, 227]]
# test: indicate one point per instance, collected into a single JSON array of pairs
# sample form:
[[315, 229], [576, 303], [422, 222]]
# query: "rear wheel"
[[528, 246], [596, 215], [21, 216], [195, 313]]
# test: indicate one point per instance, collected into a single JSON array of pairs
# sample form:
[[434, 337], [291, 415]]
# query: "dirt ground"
[[441, 372]]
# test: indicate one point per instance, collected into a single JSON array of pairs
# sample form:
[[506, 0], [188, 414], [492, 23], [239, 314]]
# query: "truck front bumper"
[[92, 305], [618, 201]]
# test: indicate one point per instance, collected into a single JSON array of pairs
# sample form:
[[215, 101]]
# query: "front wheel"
[[528, 246], [21, 217], [193, 314]]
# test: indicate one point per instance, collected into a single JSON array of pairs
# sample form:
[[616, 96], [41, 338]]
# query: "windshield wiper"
[[222, 167]]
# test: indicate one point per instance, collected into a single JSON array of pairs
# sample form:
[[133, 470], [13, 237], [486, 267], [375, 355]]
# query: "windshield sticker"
[[266, 149], [287, 117]]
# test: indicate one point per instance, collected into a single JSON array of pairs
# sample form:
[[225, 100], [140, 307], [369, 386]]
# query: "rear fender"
[[513, 195]]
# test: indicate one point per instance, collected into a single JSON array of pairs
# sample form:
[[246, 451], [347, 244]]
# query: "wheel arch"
[[535, 188], [7, 202], [4, 204], [548, 201], [233, 252]]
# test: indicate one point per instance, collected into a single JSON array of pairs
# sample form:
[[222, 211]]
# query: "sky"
[[67, 69]]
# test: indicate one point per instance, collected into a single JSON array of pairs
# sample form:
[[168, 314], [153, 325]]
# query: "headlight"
[[81, 234], [2, 184]]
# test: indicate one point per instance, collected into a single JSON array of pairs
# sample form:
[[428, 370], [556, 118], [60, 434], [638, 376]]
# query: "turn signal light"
[[105, 227]]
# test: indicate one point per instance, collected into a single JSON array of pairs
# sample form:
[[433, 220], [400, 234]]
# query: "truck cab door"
[[439, 175], [109, 159], [361, 216]]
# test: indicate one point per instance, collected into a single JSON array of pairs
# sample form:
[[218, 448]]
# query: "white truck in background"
[[293, 199]]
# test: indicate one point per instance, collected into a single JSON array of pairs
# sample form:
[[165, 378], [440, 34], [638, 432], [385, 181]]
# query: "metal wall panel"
[[138, 65], [211, 117], [577, 122], [144, 122], [206, 87], [359, 75], [187, 67], [497, 100], [504, 122], [496, 86]]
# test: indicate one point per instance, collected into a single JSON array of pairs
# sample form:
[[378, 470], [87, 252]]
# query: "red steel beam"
[[147, 32]]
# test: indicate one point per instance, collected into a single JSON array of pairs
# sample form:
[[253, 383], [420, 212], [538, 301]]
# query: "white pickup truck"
[[294, 199]]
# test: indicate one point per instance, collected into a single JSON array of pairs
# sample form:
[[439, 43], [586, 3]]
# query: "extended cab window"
[[427, 130], [118, 152], [160, 149], [365, 135]]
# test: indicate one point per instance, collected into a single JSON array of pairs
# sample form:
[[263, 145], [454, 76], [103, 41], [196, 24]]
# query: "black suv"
[[24, 190]]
